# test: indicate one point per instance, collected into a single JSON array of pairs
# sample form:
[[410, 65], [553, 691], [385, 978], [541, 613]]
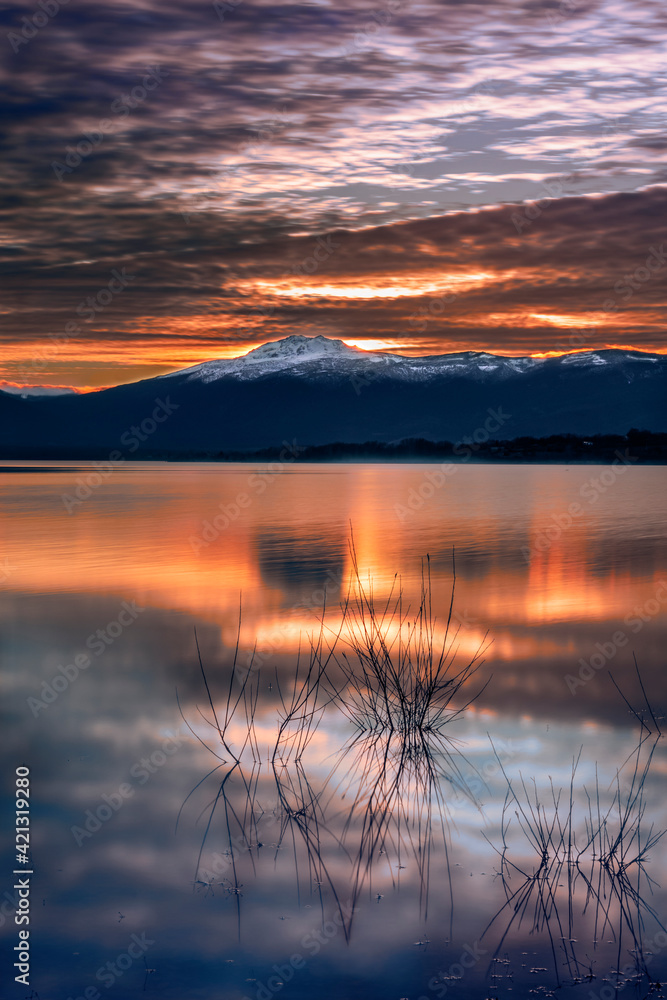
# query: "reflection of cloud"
[[136, 865], [291, 544]]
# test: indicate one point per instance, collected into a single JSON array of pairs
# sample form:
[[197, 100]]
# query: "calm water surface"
[[294, 885]]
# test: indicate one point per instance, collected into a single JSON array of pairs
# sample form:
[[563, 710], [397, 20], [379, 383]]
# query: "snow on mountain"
[[321, 357], [310, 356], [584, 358], [275, 356], [305, 348]]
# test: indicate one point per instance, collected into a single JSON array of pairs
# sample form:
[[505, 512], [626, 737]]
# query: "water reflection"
[[304, 833], [301, 565], [573, 861], [588, 882]]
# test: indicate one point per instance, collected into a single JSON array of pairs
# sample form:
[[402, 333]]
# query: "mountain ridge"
[[318, 391], [325, 354]]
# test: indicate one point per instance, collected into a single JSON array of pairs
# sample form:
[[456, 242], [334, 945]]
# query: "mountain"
[[311, 357], [318, 390]]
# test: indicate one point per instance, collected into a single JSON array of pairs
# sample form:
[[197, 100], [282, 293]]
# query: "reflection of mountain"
[[301, 565], [317, 391]]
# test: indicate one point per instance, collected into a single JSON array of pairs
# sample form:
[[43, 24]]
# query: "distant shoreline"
[[635, 447]]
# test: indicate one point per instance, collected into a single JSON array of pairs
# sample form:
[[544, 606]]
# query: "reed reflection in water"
[[400, 693]]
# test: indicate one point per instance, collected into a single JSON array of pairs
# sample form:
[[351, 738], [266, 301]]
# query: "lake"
[[507, 851]]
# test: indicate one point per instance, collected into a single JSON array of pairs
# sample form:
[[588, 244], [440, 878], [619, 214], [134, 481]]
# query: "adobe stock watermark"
[[257, 485], [565, 9], [8, 907], [312, 942], [471, 102], [97, 643], [33, 23], [626, 288], [110, 972], [474, 785], [221, 863], [590, 491], [631, 283], [199, 202], [140, 772], [86, 310], [6, 570], [362, 381], [93, 304], [377, 20], [468, 959], [225, 7], [326, 246], [273, 642], [533, 209], [436, 478], [607, 650], [121, 107], [556, 187], [261, 135], [132, 439], [436, 306], [461, 107]]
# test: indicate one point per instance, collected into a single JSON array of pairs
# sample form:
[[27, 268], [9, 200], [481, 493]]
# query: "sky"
[[187, 181]]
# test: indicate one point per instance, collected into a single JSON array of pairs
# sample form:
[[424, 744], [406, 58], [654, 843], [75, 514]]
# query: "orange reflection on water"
[[176, 538]]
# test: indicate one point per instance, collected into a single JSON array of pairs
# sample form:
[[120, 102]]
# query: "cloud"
[[287, 120], [36, 390], [469, 280]]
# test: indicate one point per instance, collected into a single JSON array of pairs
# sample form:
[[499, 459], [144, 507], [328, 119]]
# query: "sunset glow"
[[424, 210], [571, 321], [374, 345], [410, 287]]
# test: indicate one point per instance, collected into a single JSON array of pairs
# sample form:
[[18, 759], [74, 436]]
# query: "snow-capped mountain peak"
[[297, 347], [323, 357], [276, 356]]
